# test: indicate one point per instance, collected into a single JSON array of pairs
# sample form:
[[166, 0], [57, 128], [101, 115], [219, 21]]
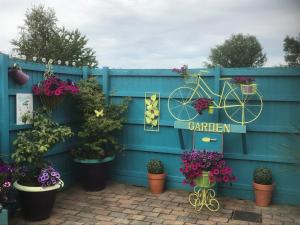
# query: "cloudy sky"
[[163, 33]]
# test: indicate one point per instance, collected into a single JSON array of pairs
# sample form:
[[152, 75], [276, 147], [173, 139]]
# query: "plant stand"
[[203, 196]]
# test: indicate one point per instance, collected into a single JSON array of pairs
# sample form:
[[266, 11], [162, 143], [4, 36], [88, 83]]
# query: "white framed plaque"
[[24, 104]]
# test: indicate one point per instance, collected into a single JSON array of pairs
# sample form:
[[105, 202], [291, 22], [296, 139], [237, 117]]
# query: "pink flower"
[[226, 179], [7, 184], [58, 92], [216, 171]]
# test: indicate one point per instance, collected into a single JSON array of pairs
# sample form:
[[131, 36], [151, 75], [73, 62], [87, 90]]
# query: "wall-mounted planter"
[[18, 76]]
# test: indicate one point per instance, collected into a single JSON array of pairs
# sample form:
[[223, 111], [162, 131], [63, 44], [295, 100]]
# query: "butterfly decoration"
[[99, 113]]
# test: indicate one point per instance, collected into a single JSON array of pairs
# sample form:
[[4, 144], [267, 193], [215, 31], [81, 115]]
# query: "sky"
[[162, 33]]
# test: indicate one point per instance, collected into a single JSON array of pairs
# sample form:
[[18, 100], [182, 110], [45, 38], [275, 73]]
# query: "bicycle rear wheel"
[[242, 108], [181, 105]]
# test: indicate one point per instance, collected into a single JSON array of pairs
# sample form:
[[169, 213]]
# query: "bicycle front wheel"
[[181, 103], [242, 108]]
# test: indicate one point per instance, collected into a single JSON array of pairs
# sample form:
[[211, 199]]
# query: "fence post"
[[217, 76], [106, 83], [4, 107], [85, 71]]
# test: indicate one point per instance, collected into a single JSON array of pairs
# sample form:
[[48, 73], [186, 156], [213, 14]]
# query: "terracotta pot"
[[156, 182], [263, 194]]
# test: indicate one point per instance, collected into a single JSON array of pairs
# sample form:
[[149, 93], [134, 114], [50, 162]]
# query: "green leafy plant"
[[31, 145], [263, 176], [155, 166], [100, 122]]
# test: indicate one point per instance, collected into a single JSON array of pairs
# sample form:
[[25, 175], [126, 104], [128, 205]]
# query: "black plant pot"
[[36, 205], [93, 173]]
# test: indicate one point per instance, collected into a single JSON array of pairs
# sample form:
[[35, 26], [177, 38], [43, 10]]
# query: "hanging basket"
[[51, 101], [248, 89], [204, 181]]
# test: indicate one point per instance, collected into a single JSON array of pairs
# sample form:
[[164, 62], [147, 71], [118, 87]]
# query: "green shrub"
[[263, 176], [100, 122], [155, 166]]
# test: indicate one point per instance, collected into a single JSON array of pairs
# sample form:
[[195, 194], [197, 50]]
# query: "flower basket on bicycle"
[[246, 84], [248, 89]]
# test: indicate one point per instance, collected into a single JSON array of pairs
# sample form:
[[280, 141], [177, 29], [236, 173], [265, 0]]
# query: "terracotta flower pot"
[[263, 194], [156, 182]]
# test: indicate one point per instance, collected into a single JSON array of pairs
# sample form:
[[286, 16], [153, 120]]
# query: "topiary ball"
[[263, 176], [155, 166]]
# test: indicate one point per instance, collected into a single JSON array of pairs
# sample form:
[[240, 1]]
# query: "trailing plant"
[[100, 122], [7, 177], [183, 70], [31, 145], [263, 176], [155, 166]]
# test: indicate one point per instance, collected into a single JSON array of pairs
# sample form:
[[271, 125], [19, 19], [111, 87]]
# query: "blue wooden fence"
[[266, 138]]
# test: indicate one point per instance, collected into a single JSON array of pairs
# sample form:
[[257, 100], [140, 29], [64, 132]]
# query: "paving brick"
[[162, 210], [136, 222], [153, 220], [136, 217], [167, 216], [118, 215], [120, 221]]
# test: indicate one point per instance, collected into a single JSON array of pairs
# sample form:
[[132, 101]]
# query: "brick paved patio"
[[125, 204]]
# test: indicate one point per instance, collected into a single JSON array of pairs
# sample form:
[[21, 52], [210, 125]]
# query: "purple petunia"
[[48, 177]]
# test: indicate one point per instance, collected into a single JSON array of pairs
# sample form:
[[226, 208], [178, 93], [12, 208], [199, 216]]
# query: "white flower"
[[59, 62], [43, 60], [50, 61], [34, 58], [67, 63], [73, 63], [23, 57]]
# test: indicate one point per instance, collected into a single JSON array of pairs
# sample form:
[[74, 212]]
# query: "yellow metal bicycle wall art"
[[241, 103]]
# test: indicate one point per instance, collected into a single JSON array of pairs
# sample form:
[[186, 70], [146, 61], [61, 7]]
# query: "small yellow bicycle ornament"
[[240, 107]]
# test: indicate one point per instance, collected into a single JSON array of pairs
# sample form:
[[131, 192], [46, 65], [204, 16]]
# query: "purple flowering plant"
[[7, 175], [48, 176], [242, 80], [202, 104], [195, 162], [183, 70]]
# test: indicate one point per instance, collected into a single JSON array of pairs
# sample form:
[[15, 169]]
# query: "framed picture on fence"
[[24, 105]]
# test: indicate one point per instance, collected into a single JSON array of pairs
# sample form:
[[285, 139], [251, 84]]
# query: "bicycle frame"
[[218, 105]]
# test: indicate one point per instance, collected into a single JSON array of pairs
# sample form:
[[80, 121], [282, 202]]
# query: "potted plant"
[[38, 180], [246, 84], [97, 137], [16, 73], [204, 168], [263, 186], [52, 89], [156, 176]]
